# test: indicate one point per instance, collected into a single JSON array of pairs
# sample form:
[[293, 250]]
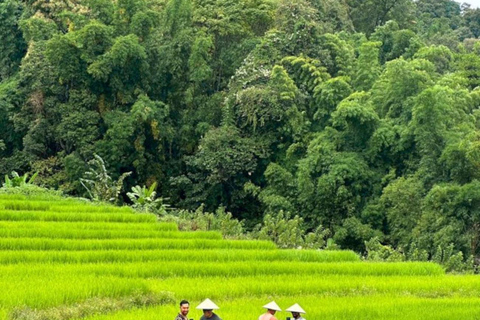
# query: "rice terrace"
[[67, 259]]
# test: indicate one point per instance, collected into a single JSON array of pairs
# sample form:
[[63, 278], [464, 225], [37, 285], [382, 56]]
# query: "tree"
[[429, 10], [368, 67], [472, 18], [336, 55], [12, 44], [332, 185], [137, 139], [461, 159], [396, 42], [468, 64], [300, 22], [64, 56], [9, 98], [440, 56], [450, 215], [401, 80], [440, 115], [402, 201], [327, 96], [356, 120], [79, 125], [367, 15], [223, 164], [122, 67]]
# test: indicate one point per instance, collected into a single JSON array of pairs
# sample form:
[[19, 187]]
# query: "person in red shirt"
[[272, 308]]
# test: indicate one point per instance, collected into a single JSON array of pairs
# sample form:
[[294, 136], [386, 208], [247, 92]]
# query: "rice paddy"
[[68, 259]]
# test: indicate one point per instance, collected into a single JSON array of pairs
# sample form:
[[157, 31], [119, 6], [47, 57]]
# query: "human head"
[[207, 306], [207, 313], [296, 309], [272, 307], [184, 307]]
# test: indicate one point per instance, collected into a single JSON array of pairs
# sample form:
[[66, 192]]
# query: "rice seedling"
[[46, 290], [12, 215], [68, 233], [234, 269], [93, 306], [209, 255], [320, 286], [128, 244], [89, 225], [47, 206]]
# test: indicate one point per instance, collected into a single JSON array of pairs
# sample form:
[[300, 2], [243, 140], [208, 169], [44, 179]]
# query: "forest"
[[359, 120]]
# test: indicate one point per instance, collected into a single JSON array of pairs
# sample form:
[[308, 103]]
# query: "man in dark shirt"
[[184, 308], [209, 315]]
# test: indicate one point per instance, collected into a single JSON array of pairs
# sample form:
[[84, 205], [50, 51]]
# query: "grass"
[[214, 269], [53, 216], [36, 289], [69, 233], [128, 244], [321, 286], [75, 225], [210, 255], [70, 259], [93, 306]]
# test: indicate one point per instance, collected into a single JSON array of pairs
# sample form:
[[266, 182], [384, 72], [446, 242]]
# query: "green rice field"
[[68, 259]]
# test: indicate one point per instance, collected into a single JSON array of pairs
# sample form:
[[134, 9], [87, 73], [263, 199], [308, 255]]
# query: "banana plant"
[[99, 184], [145, 199], [18, 181]]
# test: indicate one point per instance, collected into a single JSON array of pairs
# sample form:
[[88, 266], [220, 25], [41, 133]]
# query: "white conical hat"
[[207, 304], [272, 306], [296, 308]]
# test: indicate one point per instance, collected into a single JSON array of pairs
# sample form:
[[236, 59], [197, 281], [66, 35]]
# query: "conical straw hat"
[[272, 306], [207, 304], [296, 308]]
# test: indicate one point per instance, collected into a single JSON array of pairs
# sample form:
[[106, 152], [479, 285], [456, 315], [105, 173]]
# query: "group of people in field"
[[208, 314]]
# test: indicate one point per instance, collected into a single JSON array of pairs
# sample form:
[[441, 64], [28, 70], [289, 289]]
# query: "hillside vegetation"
[[357, 118]]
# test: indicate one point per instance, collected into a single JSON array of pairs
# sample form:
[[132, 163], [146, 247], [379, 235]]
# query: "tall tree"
[[12, 44], [369, 14]]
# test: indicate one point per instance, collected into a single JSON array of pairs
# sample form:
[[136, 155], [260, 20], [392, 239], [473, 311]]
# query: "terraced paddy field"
[[67, 259]]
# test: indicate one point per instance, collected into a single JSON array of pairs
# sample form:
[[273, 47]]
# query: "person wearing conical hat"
[[208, 306], [296, 310], [272, 308]]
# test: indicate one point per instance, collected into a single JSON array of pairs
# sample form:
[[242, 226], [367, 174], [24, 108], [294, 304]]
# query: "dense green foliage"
[[359, 120]]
